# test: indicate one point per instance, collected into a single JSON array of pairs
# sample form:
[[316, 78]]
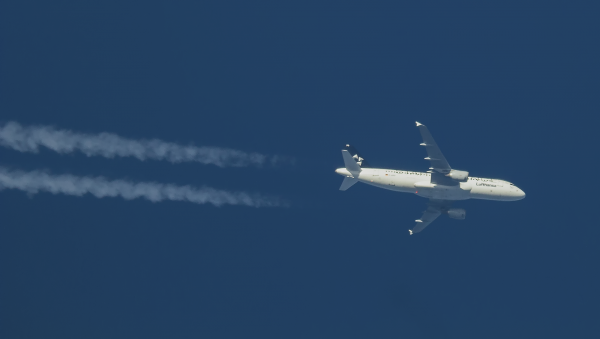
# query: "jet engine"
[[457, 213], [457, 175]]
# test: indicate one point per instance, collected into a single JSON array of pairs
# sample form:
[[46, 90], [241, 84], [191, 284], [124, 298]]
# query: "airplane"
[[441, 184]]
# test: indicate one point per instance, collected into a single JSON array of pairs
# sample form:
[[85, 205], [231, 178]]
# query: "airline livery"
[[441, 184]]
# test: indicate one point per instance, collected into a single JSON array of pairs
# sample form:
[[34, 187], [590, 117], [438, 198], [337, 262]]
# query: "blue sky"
[[508, 92]]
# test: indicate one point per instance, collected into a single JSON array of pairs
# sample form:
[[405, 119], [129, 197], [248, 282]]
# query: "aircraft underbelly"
[[390, 186], [392, 183], [442, 192]]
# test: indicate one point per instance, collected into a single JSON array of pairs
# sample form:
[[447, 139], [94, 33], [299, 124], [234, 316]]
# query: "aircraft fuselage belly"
[[420, 184]]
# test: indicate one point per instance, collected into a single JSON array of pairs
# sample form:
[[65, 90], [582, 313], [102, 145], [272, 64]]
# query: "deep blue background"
[[508, 92]]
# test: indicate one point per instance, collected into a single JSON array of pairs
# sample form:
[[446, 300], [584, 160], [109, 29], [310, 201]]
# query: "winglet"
[[418, 123], [410, 232]]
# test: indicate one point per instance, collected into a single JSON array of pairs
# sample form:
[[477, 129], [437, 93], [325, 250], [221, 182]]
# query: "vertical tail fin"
[[357, 157], [354, 164], [351, 165]]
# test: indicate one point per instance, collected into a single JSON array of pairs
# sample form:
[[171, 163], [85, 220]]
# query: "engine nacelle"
[[457, 175], [457, 213]]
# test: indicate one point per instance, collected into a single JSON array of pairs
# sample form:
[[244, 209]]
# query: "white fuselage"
[[420, 184]]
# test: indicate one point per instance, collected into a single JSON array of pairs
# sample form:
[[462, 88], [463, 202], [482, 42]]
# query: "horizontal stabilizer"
[[347, 183]]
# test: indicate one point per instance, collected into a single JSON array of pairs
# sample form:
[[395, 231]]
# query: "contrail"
[[39, 181], [109, 145]]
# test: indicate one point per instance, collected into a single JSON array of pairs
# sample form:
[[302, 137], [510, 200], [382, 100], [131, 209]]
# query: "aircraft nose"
[[521, 194]]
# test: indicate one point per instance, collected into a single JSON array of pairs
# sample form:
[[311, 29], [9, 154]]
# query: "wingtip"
[[418, 123], [410, 232]]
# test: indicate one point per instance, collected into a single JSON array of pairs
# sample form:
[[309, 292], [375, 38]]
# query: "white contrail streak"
[[39, 181], [31, 138]]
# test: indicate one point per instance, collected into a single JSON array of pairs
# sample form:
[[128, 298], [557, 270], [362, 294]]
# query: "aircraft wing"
[[434, 155], [434, 209]]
